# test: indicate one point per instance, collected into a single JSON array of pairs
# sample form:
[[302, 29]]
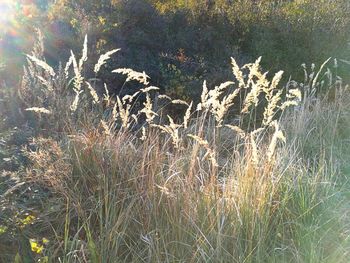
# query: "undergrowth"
[[251, 172]]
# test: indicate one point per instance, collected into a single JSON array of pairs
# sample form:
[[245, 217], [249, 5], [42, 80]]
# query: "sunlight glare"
[[7, 9]]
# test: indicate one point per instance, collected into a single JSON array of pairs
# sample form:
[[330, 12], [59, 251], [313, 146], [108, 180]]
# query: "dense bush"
[[152, 32]]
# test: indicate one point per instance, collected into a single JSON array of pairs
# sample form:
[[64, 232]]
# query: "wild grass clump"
[[130, 183]]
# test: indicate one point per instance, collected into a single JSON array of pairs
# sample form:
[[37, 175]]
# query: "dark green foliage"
[[208, 32]]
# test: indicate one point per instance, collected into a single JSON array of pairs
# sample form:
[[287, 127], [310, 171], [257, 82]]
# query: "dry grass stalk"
[[252, 97], [68, 65], [278, 135], [223, 106], [204, 97], [103, 59], [75, 102], [144, 134], [165, 97], [78, 78], [236, 129], [238, 73], [93, 93], [84, 56], [140, 77], [180, 102], [211, 100], [269, 90], [46, 83], [148, 89], [124, 113], [39, 110], [130, 98], [115, 112], [43, 65], [148, 109], [106, 128], [106, 96], [49, 165], [293, 99], [254, 151], [187, 115], [171, 129], [205, 144], [271, 108]]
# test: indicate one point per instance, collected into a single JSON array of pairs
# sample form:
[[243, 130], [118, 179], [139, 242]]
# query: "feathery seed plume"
[[39, 110], [103, 59], [93, 93], [187, 115], [140, 77], [204, 143], [43, 65]]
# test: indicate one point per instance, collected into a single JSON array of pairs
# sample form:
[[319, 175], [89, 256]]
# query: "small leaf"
[[18, 259]]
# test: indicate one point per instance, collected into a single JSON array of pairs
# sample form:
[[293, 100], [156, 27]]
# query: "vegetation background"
[[194, 161], [182, 42]]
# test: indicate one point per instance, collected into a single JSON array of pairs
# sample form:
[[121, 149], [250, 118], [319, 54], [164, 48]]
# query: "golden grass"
[[136, 185]]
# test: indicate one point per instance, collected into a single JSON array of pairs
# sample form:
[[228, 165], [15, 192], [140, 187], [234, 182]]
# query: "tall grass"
[[129, 183]]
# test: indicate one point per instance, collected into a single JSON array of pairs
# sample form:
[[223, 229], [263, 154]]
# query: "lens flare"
[[7, 10], [10, 30]]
